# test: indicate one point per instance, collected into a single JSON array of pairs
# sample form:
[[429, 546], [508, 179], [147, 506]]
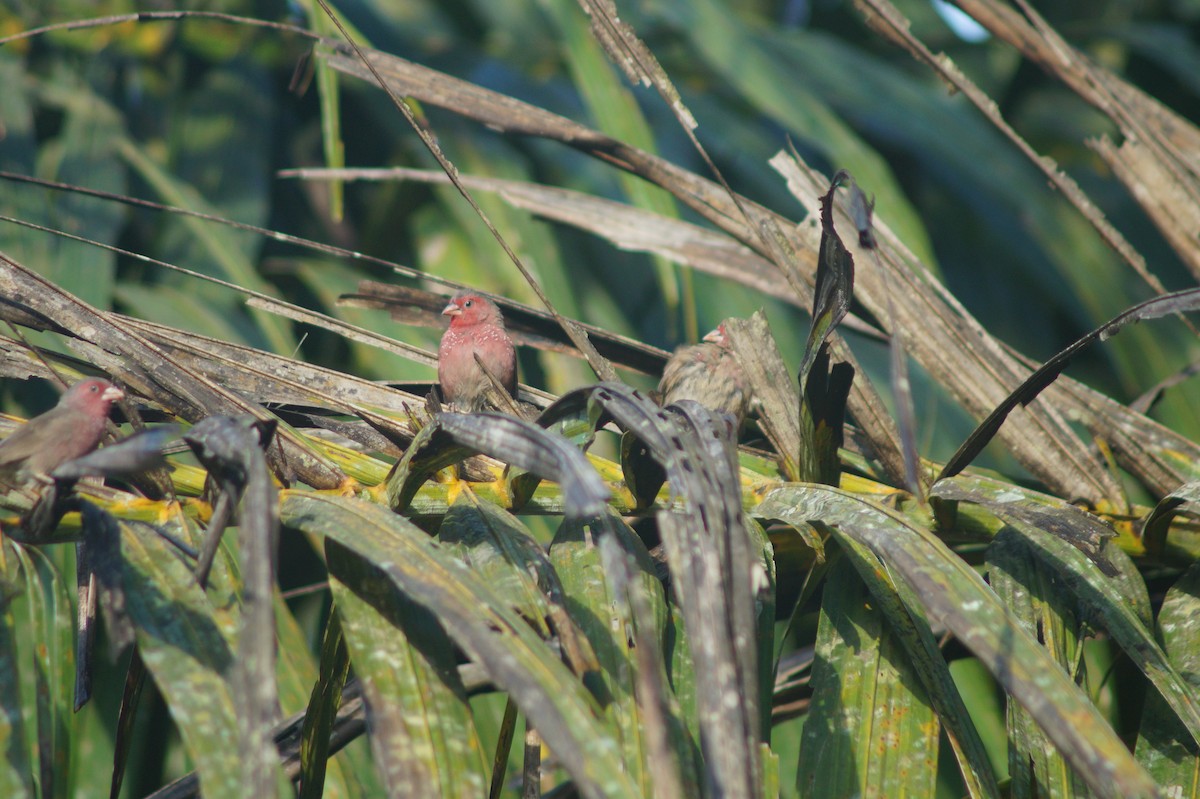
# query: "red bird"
[[476, 328], [708, 373], [70, 429]]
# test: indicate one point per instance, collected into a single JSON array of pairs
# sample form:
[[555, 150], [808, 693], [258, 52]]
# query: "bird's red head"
[[718, 336], [467, 308], [93, 395]]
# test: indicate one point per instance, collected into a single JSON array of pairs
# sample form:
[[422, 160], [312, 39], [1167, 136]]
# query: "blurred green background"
[[202, 114], [199, 114]]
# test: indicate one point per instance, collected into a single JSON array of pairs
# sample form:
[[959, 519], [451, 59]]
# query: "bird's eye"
[[468, 303], [93, 388]]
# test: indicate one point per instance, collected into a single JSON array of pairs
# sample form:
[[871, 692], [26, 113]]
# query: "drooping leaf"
[[1047, 373], [452, 436], [186, 652], [835, 281], [1082, 530], [130, 456], [232, 451], [503, 553], [1108, 602], [481, 623], [907, 622], [1155, 525]]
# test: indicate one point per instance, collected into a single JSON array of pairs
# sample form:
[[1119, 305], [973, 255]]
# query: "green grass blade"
[[594, 606], [321, 710], [17, 764]]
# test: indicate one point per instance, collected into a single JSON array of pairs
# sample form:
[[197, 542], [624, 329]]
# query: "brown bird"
[[476, 328], [70, 429], [708, 373]]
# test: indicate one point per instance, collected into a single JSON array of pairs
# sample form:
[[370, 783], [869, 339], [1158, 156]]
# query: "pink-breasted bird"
[[70, 429], [476, 327], [708, 373]]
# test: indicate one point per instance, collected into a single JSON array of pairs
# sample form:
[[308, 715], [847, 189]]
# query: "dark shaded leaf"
[[85, 625], [322, 710], [232, 451], [103, 537], [644, 476], [823, 418], [452, 436], [1158, 522], [132, 455], [835, 281]]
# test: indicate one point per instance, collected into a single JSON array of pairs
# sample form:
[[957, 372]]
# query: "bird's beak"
[[112, 394], [451, 310], [714, 335]]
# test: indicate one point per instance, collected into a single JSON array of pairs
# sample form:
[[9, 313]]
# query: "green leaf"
[[1036, 596], [17, 765], [1164, 746], [954, 595], [595, 603], [870, 728], [83, 153], [1106, 599], [186, 652], [908, 625], [321, 710], [421, 730], [482, 624]]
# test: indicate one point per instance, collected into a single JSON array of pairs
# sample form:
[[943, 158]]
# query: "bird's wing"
[[32, 436]]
